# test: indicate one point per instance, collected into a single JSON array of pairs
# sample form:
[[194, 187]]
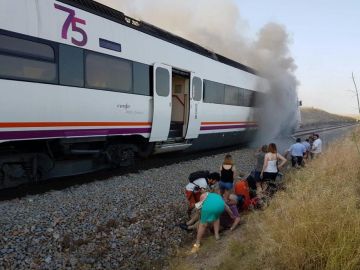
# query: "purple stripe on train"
[[227, 127], [33, 134]]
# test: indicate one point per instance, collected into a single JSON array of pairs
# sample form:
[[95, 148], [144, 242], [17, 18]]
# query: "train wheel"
[[121, 155]]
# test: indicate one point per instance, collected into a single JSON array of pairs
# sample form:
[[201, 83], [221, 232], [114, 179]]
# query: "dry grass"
[[314, 224]]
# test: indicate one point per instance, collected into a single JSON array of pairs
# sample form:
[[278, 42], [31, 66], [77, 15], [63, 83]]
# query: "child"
[[227, 171]]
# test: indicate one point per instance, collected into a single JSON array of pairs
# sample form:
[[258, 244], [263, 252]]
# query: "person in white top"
[[317, 146], [193, 193], [197, 185], [270, 168]]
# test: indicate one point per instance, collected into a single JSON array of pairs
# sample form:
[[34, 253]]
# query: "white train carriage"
[[80, 78]]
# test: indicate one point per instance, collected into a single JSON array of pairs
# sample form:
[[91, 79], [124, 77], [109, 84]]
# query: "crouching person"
[[211, 206], [193, 193], [242, 193], [226, 220]]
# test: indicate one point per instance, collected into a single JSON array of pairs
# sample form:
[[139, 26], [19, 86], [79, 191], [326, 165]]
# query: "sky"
[[324, 40], [325, 43]]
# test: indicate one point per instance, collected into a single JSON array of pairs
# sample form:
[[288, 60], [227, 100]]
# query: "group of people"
[[302, 151], [216, 198]]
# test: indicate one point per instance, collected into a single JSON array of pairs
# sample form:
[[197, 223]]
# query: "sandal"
[[195, 248]]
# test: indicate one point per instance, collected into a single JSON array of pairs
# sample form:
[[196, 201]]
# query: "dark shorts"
[[225, 185], [225, 220], [251, 179], [257, 176], [296, 160], [240, 201], [268, 176]]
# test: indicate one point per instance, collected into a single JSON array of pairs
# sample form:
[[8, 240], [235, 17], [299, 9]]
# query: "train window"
[[197, 88], [107, 72], [23, 47], [241, 100], [13, 67], [252, 99], [27, 60], [213, 92], [231, 95], [71, 66], [247, 98], [162, 82], [141, 74]]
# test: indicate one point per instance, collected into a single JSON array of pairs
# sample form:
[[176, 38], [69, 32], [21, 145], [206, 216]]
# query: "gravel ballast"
[[125, 222]]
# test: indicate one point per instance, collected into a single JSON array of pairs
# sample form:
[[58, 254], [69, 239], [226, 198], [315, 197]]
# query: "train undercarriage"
[[33, 161]]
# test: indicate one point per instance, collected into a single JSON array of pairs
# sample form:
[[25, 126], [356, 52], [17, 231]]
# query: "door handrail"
[[182, 103]]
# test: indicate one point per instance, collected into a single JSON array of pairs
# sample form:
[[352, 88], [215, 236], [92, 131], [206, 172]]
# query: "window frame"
[[83, 65], [87, 52], [236, 101], [195, 78], [204, 92], [55, 61], [169, 75], [150, 79], [241, 95]]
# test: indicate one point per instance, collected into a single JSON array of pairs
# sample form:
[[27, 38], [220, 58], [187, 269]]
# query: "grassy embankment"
[[314, 224], [311, 117]]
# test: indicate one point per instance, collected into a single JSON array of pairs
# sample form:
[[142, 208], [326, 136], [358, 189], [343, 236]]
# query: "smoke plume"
[[218, 26]]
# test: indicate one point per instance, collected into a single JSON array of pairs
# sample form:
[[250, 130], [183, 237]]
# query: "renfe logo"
[[73, 21]]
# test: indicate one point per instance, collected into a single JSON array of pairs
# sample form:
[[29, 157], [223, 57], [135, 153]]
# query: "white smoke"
[[218, 26], [270, 55]]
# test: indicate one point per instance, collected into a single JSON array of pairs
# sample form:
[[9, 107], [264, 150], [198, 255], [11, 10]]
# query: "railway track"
[[309, 131], [144, 164]]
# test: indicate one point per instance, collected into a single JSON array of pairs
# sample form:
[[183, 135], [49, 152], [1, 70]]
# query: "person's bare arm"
[[234, 172], [236, 222], [228, 210], [283, 160], [203, 196]]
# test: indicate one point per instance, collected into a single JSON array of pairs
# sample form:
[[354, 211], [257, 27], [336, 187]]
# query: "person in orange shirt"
[[242, 192]]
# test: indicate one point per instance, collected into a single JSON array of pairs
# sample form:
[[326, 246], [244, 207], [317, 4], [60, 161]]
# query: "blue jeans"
[[225, 185]]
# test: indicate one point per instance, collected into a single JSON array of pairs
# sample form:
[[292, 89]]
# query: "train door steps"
[[175, 129], [172, 144]]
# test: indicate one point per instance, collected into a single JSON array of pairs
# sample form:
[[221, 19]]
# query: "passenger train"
[[83, 84]]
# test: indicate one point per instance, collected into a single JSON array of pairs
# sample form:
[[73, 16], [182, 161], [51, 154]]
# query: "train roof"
[[119, 17]]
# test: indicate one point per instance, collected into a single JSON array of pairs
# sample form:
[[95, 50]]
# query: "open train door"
[[194, 123], [162, 103]]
